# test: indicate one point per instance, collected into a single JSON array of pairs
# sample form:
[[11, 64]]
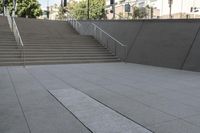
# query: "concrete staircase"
[[54, 42], [9, 53]]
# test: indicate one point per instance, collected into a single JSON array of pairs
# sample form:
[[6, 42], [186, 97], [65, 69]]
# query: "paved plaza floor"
[[46, 99]]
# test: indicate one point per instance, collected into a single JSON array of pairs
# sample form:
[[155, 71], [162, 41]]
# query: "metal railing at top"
[[14, 29], [116, 47], [75, 24]]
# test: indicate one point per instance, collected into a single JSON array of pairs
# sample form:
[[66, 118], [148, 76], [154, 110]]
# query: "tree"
[[28, 8], [1, 6], [25, 8], [79, 9], [140, 12], [61, 13]]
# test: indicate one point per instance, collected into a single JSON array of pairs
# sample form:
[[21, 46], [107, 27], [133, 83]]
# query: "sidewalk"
[[159, 99]]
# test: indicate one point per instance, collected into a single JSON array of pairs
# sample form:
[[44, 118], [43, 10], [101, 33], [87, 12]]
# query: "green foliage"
[[1, 6], [79, 9], [10, 5], [28, 8], [140, 12], [61, 13], [25, 8]]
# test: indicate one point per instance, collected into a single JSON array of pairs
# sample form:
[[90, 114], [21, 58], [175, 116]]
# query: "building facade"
[[156, 8]]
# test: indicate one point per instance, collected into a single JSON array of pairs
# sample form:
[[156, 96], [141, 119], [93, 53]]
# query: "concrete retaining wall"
[[165, 43], [192, 62]]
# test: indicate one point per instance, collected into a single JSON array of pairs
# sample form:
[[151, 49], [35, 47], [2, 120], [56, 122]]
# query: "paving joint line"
[[98, 100], [46, 89], [19, 102]]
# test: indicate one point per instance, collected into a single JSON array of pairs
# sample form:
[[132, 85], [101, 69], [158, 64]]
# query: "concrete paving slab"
[[177, 109], [44, 114], [145, 94], [151, 87], [176, 126], [175, 79], [97, 117], [11, 115], [128, 107]]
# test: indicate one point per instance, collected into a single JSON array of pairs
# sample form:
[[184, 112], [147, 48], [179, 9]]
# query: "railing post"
[[95, 33], [100, 40], [12, 23], [126, 53], [107, 43], [115, 49]]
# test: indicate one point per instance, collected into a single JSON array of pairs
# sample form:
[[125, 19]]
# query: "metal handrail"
[[7, 13], [77, 25], [19, 40], [15, 30], [110, 37]]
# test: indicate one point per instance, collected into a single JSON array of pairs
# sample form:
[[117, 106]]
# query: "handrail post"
[[100, 36], [107, 43], [95, 32], [23, 56], [115, 49], [126, 53], [12, 23]]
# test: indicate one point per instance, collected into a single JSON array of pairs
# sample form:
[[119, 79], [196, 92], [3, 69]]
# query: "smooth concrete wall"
[[124, 31], [192, 62], [165, 43]]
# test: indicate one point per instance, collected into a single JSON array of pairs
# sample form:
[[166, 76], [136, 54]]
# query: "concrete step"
[[8, 44], [10, 55], [70, 61], [55, 42], [12, 63], [20, 63], [58, 42], [46, 36], [54, 52], [57, 58], [8, 47], [65, 55], [63, 44], [63, 48], [7, 37]]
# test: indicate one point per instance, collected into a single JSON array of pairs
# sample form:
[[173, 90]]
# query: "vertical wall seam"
[[135, 38], [190, 48]]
